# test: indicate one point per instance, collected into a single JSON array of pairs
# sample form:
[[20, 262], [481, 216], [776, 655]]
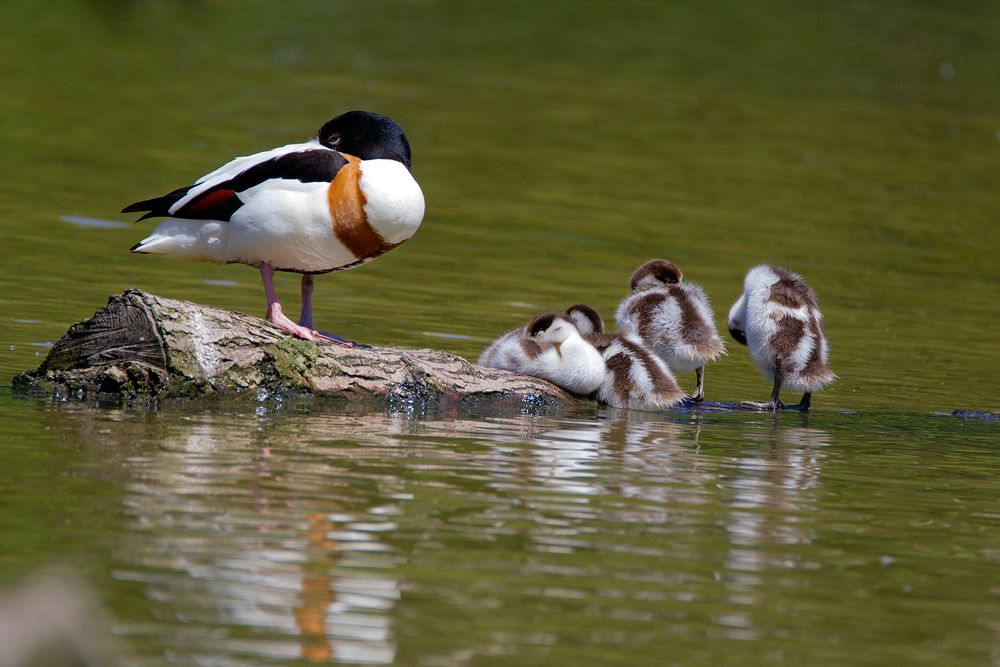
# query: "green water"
[[558, 144]]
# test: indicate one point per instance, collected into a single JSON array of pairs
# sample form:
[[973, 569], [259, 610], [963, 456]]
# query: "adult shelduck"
[[777, 317], [550, 347], [329, 204], [636, 377], [672, 317]]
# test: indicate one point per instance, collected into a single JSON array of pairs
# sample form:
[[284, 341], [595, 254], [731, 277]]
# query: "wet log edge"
[[144, 348]]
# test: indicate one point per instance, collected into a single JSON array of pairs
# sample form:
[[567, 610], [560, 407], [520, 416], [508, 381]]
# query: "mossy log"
[[143, 347]]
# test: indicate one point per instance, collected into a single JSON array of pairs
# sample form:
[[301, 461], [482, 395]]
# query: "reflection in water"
[[317, 592], [293, 536], [236, 537], [770, 498]]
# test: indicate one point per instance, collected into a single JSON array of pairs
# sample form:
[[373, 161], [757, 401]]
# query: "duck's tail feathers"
[[157, 207], [187, 239]]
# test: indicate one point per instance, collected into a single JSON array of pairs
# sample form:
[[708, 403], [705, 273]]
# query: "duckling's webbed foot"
[[801, 406], [775, 402], [764, 406]]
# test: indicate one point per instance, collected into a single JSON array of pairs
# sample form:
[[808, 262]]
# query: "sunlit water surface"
[[559, 145], [288, 532]]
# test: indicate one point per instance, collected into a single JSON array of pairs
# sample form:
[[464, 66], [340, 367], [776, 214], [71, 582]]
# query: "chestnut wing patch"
[[220, 201]]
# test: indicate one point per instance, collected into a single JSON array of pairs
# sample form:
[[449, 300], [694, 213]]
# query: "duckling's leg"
[[274, 308], [775, 403], [801, 406], [699, 390]]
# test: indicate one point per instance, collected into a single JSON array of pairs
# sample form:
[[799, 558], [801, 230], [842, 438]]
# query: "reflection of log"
[[142, 346]]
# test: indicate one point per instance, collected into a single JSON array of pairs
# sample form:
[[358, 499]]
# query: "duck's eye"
[[334, 140]]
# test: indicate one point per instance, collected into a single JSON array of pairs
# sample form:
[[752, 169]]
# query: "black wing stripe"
[[310, 166], [314, 166]]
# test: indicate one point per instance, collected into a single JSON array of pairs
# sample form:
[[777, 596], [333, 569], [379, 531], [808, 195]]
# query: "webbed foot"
[[763, 406]]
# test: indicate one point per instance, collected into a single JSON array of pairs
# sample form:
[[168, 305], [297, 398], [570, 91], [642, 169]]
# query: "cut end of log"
[[143, 348]]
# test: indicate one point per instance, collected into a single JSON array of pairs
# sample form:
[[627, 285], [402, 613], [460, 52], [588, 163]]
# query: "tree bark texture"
[[143, 347]]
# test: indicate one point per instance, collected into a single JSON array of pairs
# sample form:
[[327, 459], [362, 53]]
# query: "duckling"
[[510, 351], [777, 317], [551, 348], [673, 318], [636, 377]]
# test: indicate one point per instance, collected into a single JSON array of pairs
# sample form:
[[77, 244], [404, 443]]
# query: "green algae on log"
[[143, 347]]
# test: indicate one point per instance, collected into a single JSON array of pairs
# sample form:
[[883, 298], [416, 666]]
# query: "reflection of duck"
[[280, 556], [550, 347], [673, 318], [636, 377], [778, 319], [329, 204]]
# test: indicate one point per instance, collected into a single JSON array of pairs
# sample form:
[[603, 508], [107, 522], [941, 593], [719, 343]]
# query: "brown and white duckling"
[[673, 318], [510, 351], [551, 348], [636, 377], [777, 317]]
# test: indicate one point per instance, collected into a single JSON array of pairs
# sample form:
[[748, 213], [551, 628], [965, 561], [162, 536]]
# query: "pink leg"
[[308, 284], [304, 328], [274, 308]]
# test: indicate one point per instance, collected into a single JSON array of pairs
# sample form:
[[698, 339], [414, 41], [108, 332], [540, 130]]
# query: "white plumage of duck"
[[672, 317], [551, 348], [636, 377], [778, 318], [329, 204]]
